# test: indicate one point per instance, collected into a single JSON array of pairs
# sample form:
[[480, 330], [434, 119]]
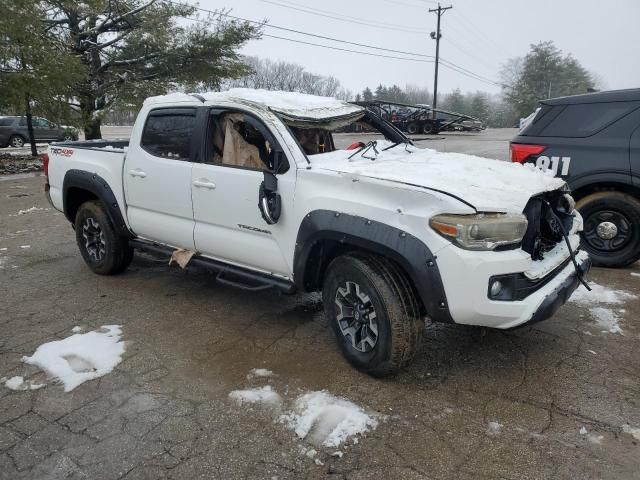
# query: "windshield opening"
[[317, 138]]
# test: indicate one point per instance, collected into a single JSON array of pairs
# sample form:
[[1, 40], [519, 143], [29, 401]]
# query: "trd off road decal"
[[558, 165], [65, 152]]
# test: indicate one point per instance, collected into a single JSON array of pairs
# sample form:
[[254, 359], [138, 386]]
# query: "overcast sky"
[[477, 35]]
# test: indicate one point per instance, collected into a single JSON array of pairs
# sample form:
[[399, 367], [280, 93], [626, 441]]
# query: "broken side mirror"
[[269, 201]]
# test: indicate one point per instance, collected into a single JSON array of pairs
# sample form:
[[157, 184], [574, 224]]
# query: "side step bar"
[[231, 275]]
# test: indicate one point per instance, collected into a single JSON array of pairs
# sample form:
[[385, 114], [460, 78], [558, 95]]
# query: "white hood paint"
[[489, 185]]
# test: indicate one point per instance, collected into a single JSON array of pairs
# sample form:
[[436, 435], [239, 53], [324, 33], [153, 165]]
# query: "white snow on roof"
[[326, 420], [288, 103], [489, 185], [80, 357]]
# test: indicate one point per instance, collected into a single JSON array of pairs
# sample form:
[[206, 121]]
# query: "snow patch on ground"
[[324, 419], [605, 317], [24, 247], [635, 274], [494, 428], [259, 372], [76, 329], [80, 357], [18, 383], [31, 210], [635, 432], [599, 295], [264, 394]]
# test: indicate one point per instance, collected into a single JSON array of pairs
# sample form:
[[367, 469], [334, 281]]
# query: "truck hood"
[[488, 185]]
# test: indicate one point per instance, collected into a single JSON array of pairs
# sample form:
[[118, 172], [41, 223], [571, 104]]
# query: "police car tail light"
[[520, 151]]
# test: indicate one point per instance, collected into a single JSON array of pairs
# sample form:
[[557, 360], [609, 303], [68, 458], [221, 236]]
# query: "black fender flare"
[[95, 184], [408, 251]]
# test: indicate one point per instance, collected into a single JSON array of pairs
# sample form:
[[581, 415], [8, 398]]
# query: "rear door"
[[43, 130], [157, 178], [225, 191]]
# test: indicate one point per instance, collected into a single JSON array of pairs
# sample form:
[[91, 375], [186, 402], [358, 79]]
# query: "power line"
[[423, 58], [347, 50], [335, 16], [324, 37]]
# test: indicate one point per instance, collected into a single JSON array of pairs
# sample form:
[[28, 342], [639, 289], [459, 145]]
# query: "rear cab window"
[[168, 133]]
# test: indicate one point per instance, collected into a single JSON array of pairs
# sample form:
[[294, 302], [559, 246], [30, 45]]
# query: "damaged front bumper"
[[531, 295]]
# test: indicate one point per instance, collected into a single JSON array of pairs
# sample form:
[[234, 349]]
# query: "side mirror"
[[279, 162], [269, 201]]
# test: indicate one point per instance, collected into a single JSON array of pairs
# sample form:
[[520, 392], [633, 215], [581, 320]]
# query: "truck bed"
[[102, 158]]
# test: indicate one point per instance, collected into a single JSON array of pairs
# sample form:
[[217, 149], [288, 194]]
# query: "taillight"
[[520, 151], [45, 163]]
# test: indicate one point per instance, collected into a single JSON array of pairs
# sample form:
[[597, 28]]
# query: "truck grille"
[[545, 230]]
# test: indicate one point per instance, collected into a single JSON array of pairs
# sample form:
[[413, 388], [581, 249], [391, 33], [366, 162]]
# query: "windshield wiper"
[[395, 144], [362, 150]]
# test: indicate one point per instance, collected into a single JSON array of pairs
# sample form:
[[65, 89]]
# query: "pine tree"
[[131, 49], [367, 95], [34, 72], [543, 73]]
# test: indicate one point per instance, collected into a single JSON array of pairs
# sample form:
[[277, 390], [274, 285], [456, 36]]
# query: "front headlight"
[[481, 231]]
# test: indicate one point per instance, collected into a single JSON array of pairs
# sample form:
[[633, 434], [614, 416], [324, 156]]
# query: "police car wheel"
[[611, 232]]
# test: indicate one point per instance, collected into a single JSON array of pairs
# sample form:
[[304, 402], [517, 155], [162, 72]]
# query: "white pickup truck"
[[252, 184]]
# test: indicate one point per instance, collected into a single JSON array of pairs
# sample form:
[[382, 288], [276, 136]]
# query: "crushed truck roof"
[[288, 104]]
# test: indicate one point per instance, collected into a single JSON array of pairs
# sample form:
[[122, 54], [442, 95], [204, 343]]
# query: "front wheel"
[[373, 312], [103, 250], [611, 231]]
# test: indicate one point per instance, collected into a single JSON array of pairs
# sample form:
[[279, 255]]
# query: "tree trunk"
[[32, 137], [92, 129]]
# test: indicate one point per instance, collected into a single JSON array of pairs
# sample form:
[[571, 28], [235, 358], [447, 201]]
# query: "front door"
[[228, 222], [157, 178]]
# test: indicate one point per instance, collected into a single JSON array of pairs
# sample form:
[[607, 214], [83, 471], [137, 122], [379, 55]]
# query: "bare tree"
[[290, 77]]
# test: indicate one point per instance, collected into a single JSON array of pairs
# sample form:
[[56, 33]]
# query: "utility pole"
[[436, 36]]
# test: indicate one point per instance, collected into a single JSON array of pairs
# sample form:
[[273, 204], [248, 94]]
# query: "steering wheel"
[[356, 145]]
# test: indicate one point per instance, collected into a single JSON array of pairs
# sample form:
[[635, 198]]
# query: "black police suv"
[[593, 142]]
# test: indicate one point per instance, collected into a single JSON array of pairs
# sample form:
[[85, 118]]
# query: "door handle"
[[204, 184], [137, 173]]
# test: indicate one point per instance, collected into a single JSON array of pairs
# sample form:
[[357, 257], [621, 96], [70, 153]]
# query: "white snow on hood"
[[489, 185]]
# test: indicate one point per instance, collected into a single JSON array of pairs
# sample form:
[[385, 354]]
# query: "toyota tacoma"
[[251, 185]]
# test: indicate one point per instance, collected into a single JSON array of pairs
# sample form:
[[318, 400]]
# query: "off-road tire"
[[621, 209], [400, 326], [116, 253], [18, 139]]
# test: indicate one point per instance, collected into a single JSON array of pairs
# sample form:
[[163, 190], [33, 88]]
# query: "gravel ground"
[[474, 404]]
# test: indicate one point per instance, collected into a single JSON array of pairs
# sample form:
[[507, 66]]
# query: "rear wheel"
[[102, 249], [373, 312], [611, 232], [16, 141], [412, 128], [428, 128]]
